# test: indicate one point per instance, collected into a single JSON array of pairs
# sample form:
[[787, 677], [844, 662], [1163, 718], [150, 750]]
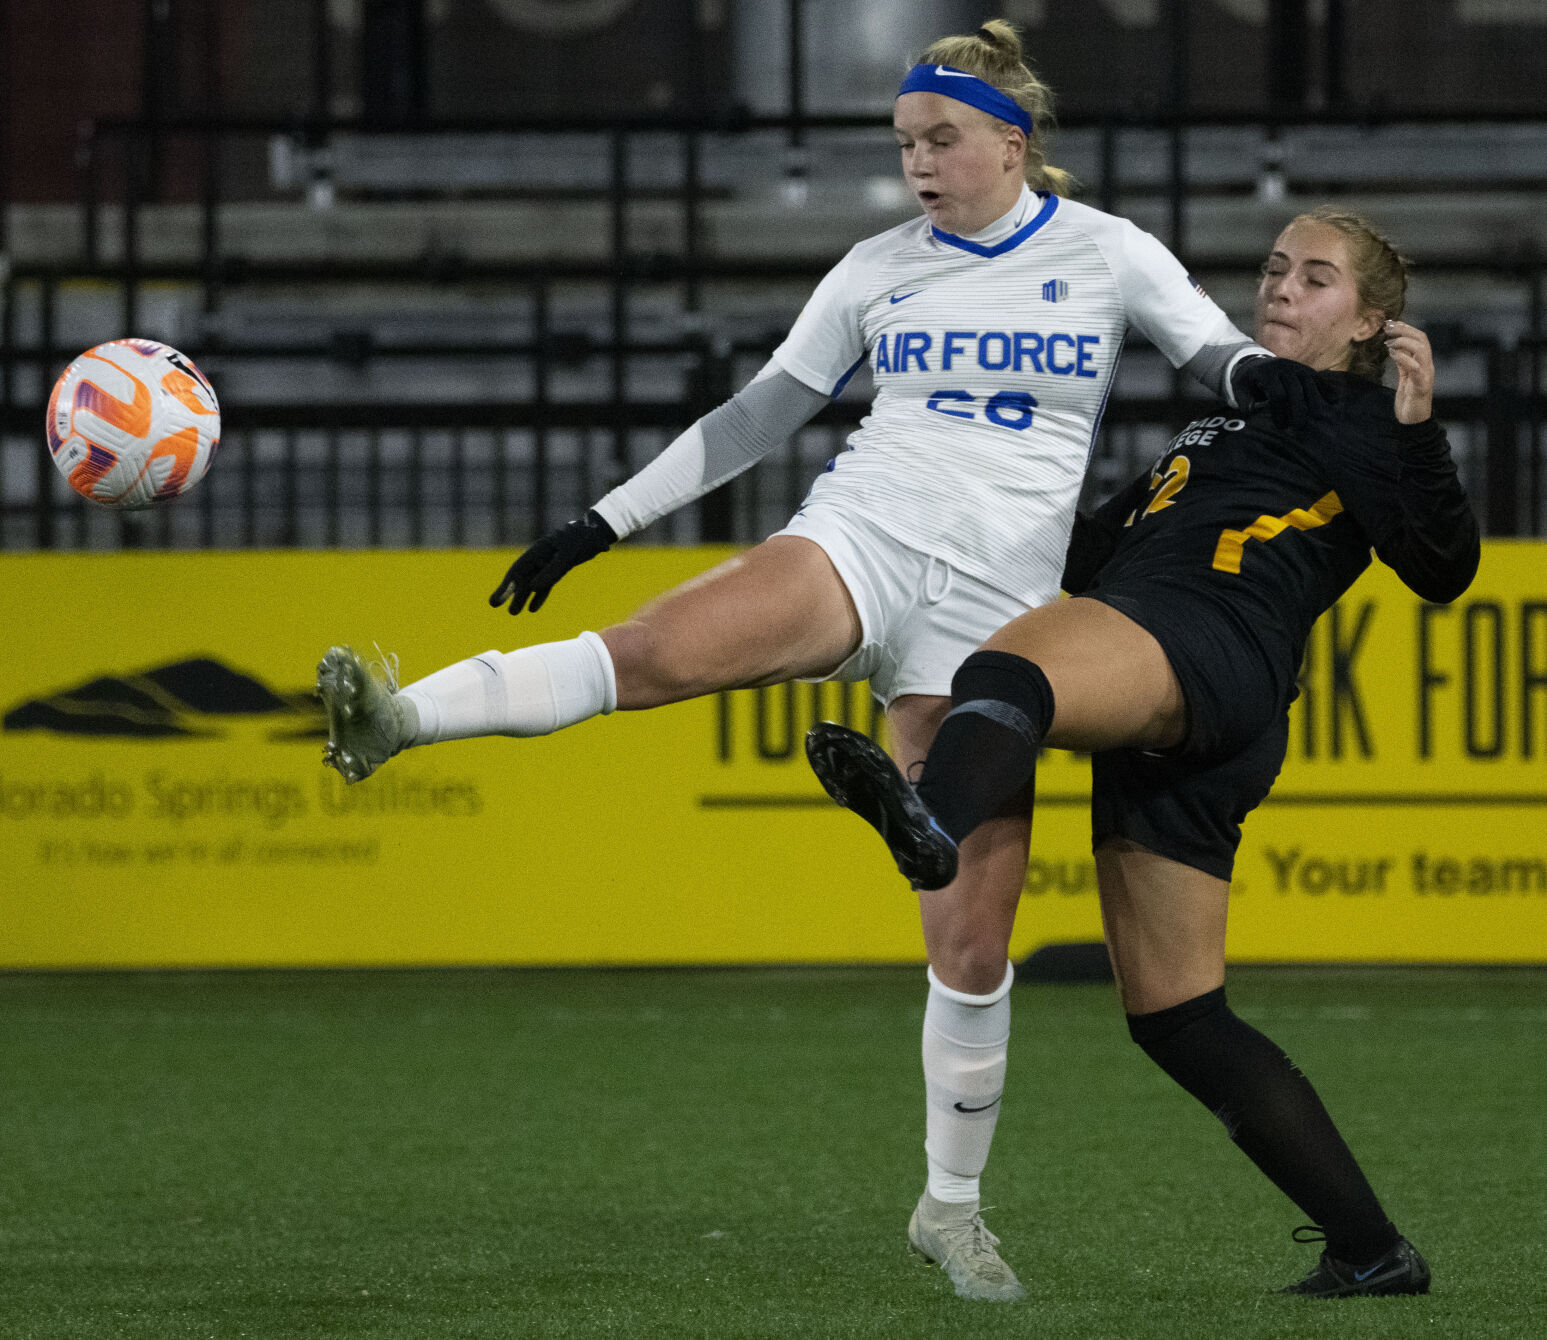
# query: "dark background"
[[405, 62]]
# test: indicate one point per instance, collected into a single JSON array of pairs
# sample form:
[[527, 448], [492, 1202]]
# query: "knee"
[[1154, 1030], [973, 966], [968, 945], [1151, 995], [649, 670], [1006, 678]]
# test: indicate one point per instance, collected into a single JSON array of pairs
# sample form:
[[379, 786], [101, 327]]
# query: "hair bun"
[[1002, 37]]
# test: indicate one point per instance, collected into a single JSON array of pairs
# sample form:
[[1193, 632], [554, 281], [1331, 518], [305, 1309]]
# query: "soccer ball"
[[131, 423]]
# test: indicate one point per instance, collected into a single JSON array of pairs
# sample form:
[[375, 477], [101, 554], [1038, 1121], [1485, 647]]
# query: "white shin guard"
[[532, 691], [966, 1042]]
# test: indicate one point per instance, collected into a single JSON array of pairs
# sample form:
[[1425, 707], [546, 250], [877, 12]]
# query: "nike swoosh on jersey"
[[896, 297]]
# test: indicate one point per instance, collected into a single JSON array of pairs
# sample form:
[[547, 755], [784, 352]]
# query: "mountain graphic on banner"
[[194, 699]]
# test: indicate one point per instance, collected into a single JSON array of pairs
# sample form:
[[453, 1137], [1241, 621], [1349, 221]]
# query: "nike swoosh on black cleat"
[[1402, 1270]]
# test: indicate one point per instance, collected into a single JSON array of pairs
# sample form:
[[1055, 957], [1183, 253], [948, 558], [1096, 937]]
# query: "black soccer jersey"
[[1257, 529]]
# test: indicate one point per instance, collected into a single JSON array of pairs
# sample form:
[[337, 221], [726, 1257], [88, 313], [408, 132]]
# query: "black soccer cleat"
[[856, 773], [1400, 1271]]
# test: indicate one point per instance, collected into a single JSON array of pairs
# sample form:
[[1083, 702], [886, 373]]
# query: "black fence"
[[338, 472]]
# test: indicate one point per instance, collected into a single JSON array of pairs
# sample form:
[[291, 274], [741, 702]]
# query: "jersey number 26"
[[1009, 409]]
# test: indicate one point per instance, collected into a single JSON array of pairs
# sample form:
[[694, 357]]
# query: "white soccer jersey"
[[993, 357]]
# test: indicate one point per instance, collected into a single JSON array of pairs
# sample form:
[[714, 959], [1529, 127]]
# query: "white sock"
[[966, 1042], [532, 691]]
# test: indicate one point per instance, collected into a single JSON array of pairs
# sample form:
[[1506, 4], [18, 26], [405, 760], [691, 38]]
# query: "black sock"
[[986, 749], [1271, 1111]]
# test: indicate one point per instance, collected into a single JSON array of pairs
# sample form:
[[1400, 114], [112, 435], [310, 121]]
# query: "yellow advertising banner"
[[162, 801]]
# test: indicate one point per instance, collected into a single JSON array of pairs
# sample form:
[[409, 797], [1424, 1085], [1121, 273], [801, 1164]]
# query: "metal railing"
[[499, 471]]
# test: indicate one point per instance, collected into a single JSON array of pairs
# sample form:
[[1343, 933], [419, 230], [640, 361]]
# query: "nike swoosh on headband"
[[963, 86]]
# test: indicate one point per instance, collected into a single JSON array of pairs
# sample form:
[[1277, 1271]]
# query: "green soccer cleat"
[[955, 1238], [367, 723], [1402, 1270]]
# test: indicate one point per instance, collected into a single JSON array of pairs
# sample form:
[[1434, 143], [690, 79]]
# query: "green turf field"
[[720, 1154]]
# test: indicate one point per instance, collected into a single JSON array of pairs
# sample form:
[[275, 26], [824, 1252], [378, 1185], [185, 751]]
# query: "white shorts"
[[920, 618]]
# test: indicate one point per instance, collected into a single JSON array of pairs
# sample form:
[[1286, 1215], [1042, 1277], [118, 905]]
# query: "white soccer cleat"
[[955, 1238], [367, 724]]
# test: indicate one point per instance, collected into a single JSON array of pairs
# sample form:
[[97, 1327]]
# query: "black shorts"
[[1188, 803], [1234, 688], [1182, 806]]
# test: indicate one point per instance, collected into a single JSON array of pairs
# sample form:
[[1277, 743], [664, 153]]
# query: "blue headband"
[[953, 83]]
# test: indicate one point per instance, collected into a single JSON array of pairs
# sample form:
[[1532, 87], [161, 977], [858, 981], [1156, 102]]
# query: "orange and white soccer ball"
[[131, 423]]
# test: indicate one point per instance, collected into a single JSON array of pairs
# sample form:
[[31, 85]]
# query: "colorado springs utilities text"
[[271, 801]]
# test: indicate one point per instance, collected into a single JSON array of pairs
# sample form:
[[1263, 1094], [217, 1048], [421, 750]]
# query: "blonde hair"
[[1380, 279], [993, 54]]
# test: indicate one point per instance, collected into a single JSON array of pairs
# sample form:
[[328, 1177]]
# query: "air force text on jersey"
[[1055, 353], [993, 356]]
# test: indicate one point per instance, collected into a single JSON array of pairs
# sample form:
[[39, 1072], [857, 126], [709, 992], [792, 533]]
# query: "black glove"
[[535, 573], [1288, 390]]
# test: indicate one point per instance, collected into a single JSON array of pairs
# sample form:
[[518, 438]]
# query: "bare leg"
[[967, 924], [1112, 684], [1165, 926], [776, 612]]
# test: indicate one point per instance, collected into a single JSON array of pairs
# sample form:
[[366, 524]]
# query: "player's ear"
[[1015, 148], [1370, 322]]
